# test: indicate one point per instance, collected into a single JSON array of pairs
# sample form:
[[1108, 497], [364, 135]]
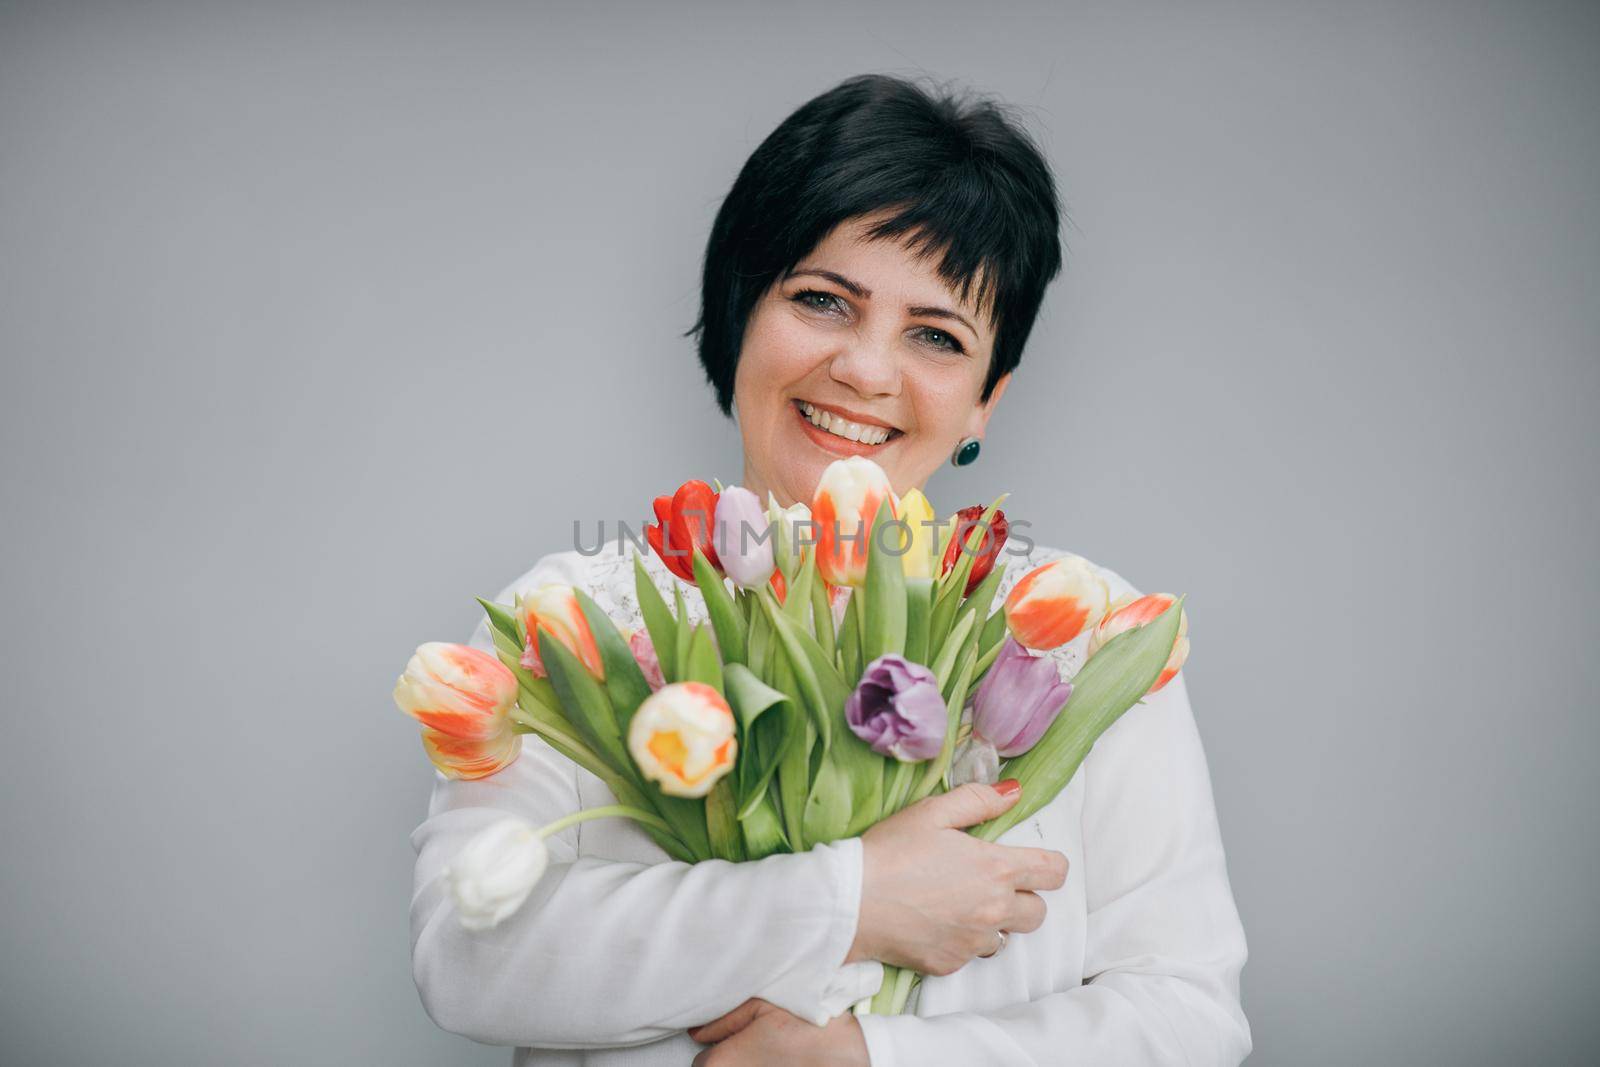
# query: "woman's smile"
[[842, 432]]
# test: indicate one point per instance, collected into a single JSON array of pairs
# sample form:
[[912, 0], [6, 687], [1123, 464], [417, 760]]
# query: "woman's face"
[[860, 350]]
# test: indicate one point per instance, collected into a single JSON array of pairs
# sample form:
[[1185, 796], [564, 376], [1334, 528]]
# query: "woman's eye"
[[816, 300], [940, 339]]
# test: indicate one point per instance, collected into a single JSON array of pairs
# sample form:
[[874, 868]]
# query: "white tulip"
[[495, 872], [794, 533]]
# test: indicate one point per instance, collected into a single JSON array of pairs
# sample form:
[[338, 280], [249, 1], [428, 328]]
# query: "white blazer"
[[621, 948]]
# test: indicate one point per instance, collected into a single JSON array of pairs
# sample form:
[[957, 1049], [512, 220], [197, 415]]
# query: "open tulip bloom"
[[780, 722]]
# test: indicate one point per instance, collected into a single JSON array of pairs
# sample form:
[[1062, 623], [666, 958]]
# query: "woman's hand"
[[933, 897], [760, 1033]]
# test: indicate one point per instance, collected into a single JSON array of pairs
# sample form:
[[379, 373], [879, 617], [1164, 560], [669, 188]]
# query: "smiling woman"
[[869, 284]]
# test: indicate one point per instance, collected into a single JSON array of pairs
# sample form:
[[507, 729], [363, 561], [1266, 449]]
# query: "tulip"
[[644, 654], [897, 709], [1053, 603], [495, 872], [1017, 700], [1128, 613], [463, 697], [554, 608], [845, 504], [993, 538], [684, 523], [795, 532], [744, 538], [975, 760], [681, 737], [921, 545]]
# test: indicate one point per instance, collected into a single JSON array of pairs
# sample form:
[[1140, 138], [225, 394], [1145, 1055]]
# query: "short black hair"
[[959, 175]]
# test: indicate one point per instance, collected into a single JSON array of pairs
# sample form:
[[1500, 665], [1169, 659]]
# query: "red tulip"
[[684, 523], [994, 538]]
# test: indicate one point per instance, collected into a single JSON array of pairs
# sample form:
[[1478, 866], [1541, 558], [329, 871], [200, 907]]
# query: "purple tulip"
[[897, 709], [1017, 700]]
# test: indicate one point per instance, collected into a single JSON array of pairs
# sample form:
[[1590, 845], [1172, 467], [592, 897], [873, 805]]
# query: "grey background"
[[318, 320]]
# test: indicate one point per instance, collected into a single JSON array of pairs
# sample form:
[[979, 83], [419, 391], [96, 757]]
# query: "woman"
[[870, 282]]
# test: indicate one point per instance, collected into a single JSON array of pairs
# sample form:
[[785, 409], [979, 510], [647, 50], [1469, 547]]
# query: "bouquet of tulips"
[[824, 692]]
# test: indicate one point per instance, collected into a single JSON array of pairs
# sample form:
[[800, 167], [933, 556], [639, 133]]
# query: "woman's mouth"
[[841, 435]]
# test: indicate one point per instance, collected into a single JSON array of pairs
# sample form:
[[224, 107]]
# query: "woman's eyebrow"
[[861, 292], [943, 313]]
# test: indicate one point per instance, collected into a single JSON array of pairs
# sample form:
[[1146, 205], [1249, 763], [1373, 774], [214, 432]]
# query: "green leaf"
[[502, 620], [978, 603], [952, 586], [919, 608], [945, 664], [626, 687], [822, 618], [760, 646], [805, 674], [584, 702], [1113, 680], [797, 595], [769, 723], [847, 649], [827, 814], [934, 770], [685, 630], [763, 832], [994, 632], [703, 664], [722, 823], [885, 591], [658, 620], [794, 765], [732, 634]]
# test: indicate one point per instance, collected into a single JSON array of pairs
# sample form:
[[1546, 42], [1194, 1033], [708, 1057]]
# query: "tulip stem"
[[623, 810]]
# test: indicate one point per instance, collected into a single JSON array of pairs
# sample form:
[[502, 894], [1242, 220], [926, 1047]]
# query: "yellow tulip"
[[921, 545]]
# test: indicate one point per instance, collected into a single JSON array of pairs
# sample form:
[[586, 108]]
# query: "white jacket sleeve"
[[608, 953], [1164, 945]]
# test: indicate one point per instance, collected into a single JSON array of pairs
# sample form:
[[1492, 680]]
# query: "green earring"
[[966, 452]]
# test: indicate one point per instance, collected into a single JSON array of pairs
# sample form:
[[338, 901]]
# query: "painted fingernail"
[[1007, 787]]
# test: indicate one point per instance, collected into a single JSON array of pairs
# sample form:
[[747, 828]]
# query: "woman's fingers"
[[724, 1027], [965, 805], [1027, 913], [1037, 868]]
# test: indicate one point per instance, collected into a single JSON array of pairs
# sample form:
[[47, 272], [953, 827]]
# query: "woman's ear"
[[985, 408]]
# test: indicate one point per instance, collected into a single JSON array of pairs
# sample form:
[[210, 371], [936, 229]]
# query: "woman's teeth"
[[841, 427]]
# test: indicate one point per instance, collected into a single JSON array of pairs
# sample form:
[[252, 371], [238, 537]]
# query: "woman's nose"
[[868, 367]]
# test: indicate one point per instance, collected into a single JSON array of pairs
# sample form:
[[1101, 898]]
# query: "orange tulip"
[[463, 699], [555, 608], [1128, 613], [845, 504], [1053, 603]]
